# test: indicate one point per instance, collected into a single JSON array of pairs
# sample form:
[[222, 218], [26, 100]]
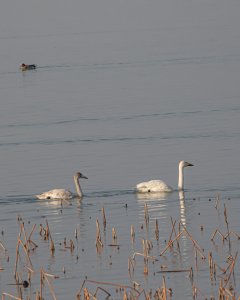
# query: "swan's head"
[[184, 164], [79, 175]]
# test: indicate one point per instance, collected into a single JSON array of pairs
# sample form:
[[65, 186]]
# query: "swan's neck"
[[180, 178], [78, 187]]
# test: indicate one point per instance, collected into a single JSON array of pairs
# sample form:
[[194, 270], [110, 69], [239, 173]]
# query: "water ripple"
[[119, 118]]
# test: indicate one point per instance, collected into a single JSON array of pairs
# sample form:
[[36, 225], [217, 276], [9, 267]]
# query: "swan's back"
[[153, 186], [56, 194]]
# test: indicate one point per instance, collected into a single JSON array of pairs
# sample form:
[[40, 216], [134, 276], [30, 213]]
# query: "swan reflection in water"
[[158, 204], [152, 196], [182, 207]]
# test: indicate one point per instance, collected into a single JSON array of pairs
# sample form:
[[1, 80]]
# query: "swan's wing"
[[56, 194], [153, 186]]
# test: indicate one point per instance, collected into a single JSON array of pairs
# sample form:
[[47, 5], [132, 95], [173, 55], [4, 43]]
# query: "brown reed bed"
[[151, 251]]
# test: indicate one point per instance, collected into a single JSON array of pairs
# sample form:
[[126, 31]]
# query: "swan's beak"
[[190, 165], [82, 176]]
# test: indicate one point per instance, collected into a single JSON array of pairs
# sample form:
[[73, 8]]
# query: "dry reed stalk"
[[146, 214], [214, 271], [229, 293], [22, 229], [52, 247], [154, 258], [164, 288], [30, 271], [98, 234], [222, 269], [99, 244], [20, 292], [114, 235], [76, 234], [145, 252], [196, 259], [217, 202], [72, 246], [19, 218], [170, 243], [135, 284], [130, 264], [227, 225], [175, 234], [37, 295], [195, 291], [175, 271], [41, 284], [80, 290], [140, 293], [225, 215], [231, 270], [101, 289], [196, 245], [149, 245], [86, 294], [78, 297], [17, 257], [4, 294], [41, 229], [214, 234], [132, 234], [107, 283], [26, 251], [145, 268], [191, 274], [2, 246], [31, 232], [47, 233], [104, 218], [27, 240], [30, 235], [211, 264], [220, 293], [17, 278], [50, 275], [157, 294], [51, 288], [145, 249], [156, 230], [233, 233]]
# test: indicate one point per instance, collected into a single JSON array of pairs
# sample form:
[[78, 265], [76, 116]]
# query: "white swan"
[[64, 194], [155, 186]]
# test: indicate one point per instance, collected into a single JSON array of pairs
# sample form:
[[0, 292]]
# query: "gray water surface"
[[122, 92]]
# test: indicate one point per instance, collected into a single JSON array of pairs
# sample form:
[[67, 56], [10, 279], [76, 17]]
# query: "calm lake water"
[[122, 92]]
